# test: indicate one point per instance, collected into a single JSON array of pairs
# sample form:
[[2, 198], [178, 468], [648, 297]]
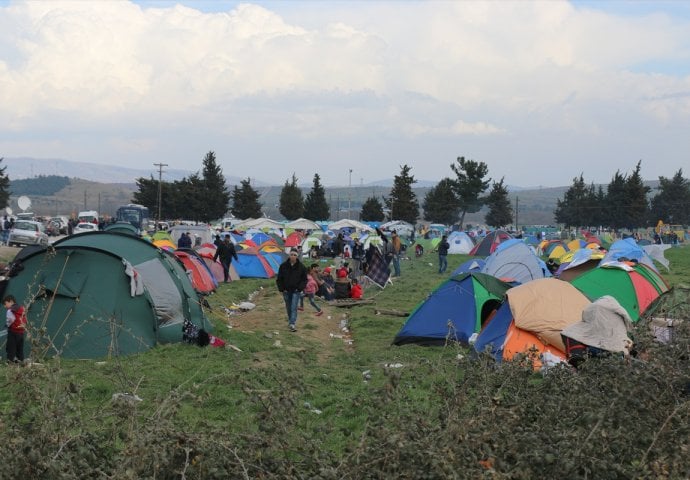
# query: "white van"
[[90, 216]]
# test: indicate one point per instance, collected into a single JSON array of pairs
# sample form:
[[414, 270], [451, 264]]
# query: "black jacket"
[[291, 278], [443, 247], [226, 252]]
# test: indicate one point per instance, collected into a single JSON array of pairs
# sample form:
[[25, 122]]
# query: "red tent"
[[489, 243]]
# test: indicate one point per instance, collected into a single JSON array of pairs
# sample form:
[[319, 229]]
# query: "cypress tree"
[[291, 200], [315, 205]]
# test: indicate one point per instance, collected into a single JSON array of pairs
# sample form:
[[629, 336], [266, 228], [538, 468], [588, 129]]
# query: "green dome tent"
[[84, 304]]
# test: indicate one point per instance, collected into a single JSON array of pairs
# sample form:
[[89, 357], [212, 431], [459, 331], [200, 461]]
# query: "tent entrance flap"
[[166, 296], [69, 286]]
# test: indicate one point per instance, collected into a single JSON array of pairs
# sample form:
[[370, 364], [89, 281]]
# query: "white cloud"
[[475, 74]]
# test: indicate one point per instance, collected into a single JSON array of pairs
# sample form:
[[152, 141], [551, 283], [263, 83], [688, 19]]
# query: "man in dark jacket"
[[291, 280], [226, 252], [184, 241], [443, 247]]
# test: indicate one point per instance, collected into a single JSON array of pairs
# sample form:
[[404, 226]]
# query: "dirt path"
[[270, 317]]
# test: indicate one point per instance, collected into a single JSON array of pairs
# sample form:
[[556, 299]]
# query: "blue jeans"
[[442, 263], [310, 296], [291, 304], [396, 265]]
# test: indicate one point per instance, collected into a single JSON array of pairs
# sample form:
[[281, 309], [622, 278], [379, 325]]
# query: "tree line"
[[626, 202]]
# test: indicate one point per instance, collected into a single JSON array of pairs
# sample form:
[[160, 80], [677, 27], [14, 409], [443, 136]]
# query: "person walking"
[[16, 327], [443, 247], [226, 252], [310, 289], [291, 281]]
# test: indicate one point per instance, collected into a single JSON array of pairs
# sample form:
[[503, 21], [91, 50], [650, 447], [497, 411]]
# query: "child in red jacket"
[[356, 291], [16, 326]]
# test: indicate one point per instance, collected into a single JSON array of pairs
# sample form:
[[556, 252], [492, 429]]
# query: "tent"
[[303, 224], [489, 243], [474, 265], [531, 320], [627, 249], [204, 232], [556, 250], [122, 227], [252, 264], [454, 311], [459, 243], [309, 242], [201, 277], [514, 260], [260, 223], [100, 293], [294, 240], [352, 224], [429, 244], [574, 264], [260, 237], [634, 286]]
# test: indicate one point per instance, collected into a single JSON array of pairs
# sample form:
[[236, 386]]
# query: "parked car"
[[52, 229], [82, 227], [27, 232], [61, 221]]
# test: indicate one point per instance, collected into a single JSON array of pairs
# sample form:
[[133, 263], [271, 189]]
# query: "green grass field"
[[327, 399]]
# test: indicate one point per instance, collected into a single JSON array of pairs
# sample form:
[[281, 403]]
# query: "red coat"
[[356, 291]]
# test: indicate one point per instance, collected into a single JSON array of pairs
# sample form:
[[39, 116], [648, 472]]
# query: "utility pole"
[[349, 196], [160, 186], [84, 197], [517, 201]]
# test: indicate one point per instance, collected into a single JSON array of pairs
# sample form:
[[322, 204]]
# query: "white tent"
[[459, 243], [303, 224], [347, 223], [260, 223]]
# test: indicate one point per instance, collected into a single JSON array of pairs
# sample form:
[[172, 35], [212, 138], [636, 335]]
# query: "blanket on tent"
[[378, 271], [605, 325]]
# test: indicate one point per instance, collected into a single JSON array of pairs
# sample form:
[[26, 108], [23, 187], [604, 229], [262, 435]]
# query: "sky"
[[539, 91]]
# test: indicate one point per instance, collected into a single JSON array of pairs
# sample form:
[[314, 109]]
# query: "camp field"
[[290, 405]]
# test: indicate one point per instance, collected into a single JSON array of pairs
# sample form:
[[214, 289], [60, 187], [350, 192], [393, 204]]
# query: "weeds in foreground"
[[614, 418]]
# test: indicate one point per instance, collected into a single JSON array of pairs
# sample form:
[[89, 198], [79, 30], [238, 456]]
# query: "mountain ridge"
[[19, 168]]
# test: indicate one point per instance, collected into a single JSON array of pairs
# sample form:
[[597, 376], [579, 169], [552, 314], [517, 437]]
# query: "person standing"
[[184, 241], [395, 241], [16, 327], [5, 230], [226, 252], [357, 257], [339, 245], [291, 281], [443, 247]]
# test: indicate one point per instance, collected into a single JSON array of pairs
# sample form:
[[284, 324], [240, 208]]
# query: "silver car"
[[27, 232]]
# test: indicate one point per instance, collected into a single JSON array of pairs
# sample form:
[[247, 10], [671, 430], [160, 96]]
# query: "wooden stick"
[[396, 313]]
